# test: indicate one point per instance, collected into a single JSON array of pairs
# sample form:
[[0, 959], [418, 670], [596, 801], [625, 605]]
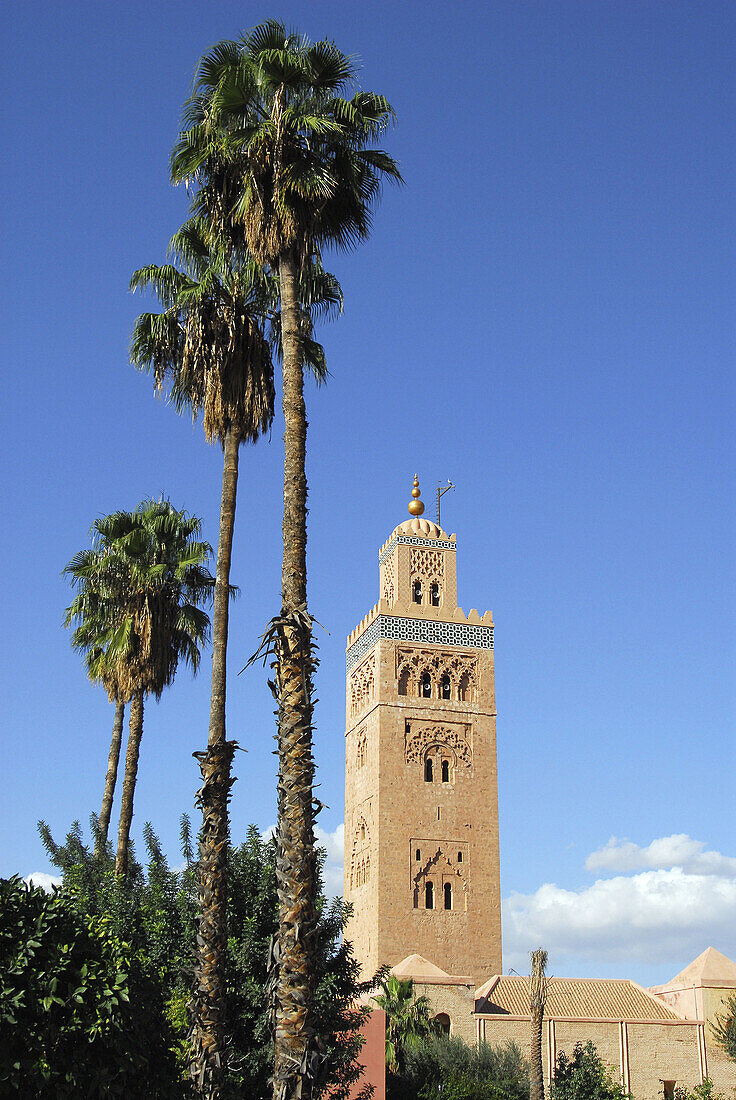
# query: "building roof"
[[416, 968], [418, 526], [710, 968], [573, 998]]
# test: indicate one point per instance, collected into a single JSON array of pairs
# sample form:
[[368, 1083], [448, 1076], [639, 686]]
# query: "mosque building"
[[422, 843]]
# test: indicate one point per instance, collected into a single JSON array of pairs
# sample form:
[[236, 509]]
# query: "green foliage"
[[407, 1019], [724, 1028], [584, 1076], [78, 1013], [445, 1066], [705, 1091], [155, 912]]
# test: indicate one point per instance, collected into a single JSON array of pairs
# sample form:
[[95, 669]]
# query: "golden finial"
[[415, 506]]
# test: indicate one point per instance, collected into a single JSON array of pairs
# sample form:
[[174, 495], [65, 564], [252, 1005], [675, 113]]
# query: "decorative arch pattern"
[[360, 856], [388, 580], [362, 685], [421, 740], [453, 676], [361, 750], [437, 879]]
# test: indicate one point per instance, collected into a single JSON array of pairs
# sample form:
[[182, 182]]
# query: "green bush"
[[482, 1072], [155, 912], [78, 1016], [584, 1077]]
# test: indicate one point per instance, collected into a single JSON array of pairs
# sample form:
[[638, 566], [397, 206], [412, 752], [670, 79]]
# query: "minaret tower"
[[421, 801]]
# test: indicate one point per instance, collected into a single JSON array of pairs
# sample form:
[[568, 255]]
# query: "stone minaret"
[[421, 802]]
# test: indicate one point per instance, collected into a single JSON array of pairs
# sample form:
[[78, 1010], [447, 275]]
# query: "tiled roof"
[[577, 998]]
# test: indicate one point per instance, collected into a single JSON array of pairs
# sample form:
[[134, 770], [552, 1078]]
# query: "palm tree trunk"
[[135, 732], [537, 1002], [222, 586], [103, 823], [295, 863], [207, 1006], [207, 1035]]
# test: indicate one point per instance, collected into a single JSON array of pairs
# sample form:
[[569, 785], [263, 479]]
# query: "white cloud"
[[679, 899], [40, 878], [334, 845], [678, 850]]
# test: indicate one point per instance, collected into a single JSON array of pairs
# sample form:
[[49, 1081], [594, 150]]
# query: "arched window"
[[429, 895], [428, 770], [459, 857], [416, 591], [404, 682], [419, 854], [445, 771], [448, 895], [434, 594], [464, 693], [426, 686], [362, 832], [445, 687], [443, 1022]]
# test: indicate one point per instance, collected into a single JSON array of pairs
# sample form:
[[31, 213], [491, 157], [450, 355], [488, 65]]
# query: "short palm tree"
[[147, 572], [85, 610], [283, 158], [408, 1019]]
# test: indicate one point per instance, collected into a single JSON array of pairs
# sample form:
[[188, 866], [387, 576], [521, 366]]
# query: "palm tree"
[[209, 347], [537, 1003], [87, 637], [146, 571], [407, 1019], [283, 158]]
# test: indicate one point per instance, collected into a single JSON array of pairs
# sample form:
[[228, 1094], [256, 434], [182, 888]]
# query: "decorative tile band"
[[400, 629], [415, 540]]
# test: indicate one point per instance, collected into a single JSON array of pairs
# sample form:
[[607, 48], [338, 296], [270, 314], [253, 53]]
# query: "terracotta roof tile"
[[578, 998]]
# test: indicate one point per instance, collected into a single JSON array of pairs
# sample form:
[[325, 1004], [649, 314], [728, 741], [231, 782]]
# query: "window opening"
[[448, 895], [434, 595], [416, 592], [404, 682], [438, 813], [429, 895], [443, 1022], [459, 857], [428, 770], [445, 687], [419, 854], [445, 771], [426, 686]]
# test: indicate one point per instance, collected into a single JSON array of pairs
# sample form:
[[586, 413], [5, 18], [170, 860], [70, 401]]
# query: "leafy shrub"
[[77, 1015], [155, 912], [584, 1076], [482, 1072]]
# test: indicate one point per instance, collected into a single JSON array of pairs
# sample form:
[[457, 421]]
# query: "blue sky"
[[544, 314]]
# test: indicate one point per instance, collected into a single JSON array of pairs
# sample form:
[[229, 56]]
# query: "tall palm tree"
[[147, 573], [280, 155], [209, 347], [85, 610]]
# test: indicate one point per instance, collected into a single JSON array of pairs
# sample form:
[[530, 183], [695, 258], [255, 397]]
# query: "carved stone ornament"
[[421, 738]]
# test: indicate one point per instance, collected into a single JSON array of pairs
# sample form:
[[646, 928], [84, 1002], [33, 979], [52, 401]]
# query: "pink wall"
[[373, 1055]]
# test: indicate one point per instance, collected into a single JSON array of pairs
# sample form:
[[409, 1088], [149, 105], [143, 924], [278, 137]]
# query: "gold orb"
[[415, 506]]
